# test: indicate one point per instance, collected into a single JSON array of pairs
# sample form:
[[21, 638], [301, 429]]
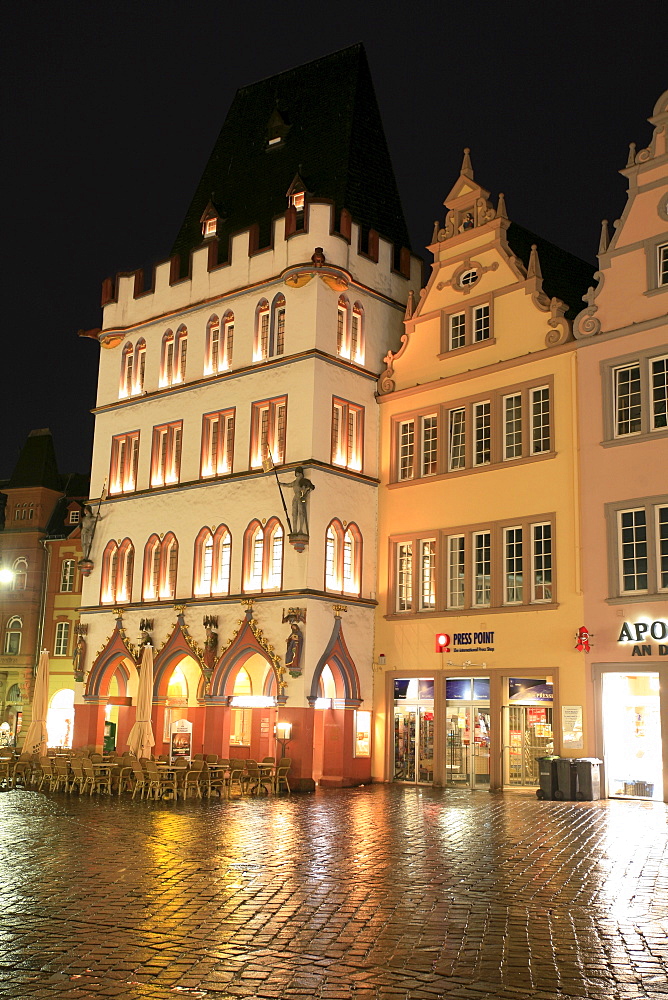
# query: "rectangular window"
[[404, 576], [482, 431], [662, 264], [456, 567], [347, 434], [540, 420], [662, 546], [124, 460], [457, 330], [217, 444], [482, 568], [542, 562], [62, 639], [406, 449], [480, 323], [513, 555], [627, 400], [240, 727], [457, 439], [633, 553], [67, 572], [659, 391], [512, 427], [427, 574], [166, 454], [429, 443], [268, 422]]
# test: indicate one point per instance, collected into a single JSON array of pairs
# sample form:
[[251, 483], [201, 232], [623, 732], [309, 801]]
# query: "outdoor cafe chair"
[[211, 758], [197, 778], [41, 773], [281, 776], [235, 778], [22, 771], [255, 781], [139, 779], [77, 777], [60, 775], [157, 783]]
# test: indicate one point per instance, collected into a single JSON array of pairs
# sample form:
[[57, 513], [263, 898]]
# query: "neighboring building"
[[623, 428], [262, 339], [40, 549], [479, 536]]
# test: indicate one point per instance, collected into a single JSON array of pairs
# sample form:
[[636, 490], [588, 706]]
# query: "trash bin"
[[589, 778], [567, 778], [547, 779]]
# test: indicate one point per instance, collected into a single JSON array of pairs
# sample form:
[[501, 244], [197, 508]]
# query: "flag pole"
[[287, 516]]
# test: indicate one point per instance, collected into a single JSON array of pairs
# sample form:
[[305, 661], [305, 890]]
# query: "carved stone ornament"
[[467, 265], [560, 328], [587, 324]]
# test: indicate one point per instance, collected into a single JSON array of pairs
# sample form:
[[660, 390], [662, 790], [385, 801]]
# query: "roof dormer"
[[210, 220], [277, 129]]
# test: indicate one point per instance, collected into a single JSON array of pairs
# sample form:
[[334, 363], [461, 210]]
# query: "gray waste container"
[[567, 778], [547, 779], [589, 778]]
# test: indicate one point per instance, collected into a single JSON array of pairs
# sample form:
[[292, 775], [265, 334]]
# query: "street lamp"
[[6, 574], [283, 734]]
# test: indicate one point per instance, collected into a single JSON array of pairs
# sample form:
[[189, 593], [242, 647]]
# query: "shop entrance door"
[[527, 735], [467, 745], [414, 730], [632, 735]]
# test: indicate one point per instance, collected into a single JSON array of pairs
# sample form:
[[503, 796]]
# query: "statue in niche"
[[88, 525], [79, 654], [295, 641], [210, 623], [301, 487], [467, 222]]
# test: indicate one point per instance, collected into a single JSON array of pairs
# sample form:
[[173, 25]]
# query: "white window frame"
[[68, 570], [61, 639]]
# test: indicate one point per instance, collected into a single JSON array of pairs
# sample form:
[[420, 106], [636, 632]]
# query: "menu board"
[[181, 740]]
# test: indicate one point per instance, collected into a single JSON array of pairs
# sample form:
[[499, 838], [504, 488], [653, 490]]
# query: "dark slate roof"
[[58, 526], [333, 139], [36, 465], [564, 276]]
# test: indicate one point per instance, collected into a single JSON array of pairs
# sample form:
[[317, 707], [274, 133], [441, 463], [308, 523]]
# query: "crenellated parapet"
[[130, 298]]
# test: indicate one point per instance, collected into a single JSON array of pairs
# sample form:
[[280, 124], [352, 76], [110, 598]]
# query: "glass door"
[[527, 729], [632, 735], [414, 730], [467, 742]]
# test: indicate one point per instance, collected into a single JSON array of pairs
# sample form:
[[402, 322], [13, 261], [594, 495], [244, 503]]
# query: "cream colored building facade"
[[479, 513], [623, 432]]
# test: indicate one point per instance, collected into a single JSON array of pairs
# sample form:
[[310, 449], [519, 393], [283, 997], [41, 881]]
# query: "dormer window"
[[210, 226], [75, 516], [297, 200], [274, 141]]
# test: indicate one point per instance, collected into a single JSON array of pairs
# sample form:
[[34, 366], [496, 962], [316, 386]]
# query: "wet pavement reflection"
[[379, 892]]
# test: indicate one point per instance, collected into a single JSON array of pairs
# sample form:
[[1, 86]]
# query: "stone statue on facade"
[[301, 487]]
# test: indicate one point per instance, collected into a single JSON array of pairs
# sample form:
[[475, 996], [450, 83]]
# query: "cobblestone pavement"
[[376, 893]]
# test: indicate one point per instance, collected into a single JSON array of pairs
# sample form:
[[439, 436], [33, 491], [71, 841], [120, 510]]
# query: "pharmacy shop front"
[[475, 728], [631, 706]]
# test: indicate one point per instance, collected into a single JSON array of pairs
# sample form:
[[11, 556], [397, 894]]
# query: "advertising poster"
[[571, 727], [181, 740]]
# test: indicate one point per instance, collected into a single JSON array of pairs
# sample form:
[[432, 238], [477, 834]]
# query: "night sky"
[[111, 111]]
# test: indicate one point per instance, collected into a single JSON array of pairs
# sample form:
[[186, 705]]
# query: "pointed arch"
[[248, 642], [203, 564], [108, 576], [337, 657], [169, 557], [357, 349], [226, 342], [277, 339], [127, 371], [167, 359], [151, 573], [180, 355], [177, 649], [343, 558], [261, 339], [140, 366], [222, 560], [342, 327], [113, 660], [263, 556], [212, 350]]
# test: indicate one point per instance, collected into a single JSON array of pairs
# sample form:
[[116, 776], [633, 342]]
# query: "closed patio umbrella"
[[140, 739], [35, 741]]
